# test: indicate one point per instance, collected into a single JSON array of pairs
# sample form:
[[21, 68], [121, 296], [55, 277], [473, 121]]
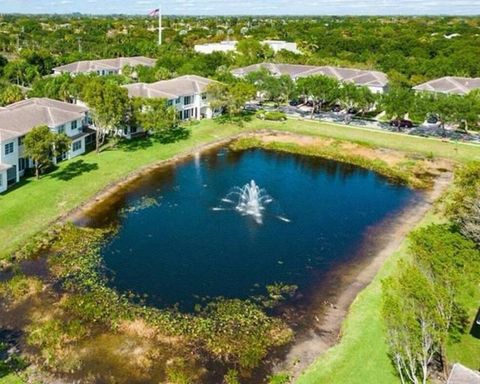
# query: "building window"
[[76, 146], [74, 125], [187, 100], [204, 96], [170, 103], [178, 101], [22, 164], [9, 148], [21, 140], [61, 129], [188, 113]]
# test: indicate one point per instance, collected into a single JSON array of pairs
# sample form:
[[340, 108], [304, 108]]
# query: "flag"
[[155, 12]]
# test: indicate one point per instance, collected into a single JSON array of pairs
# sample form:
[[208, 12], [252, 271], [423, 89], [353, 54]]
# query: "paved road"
[[340, 117]]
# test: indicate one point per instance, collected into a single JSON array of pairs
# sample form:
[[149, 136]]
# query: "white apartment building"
[[18, 119], [224, 46], [450, 85], [231, 46], [105, 66], [186, 93], [376, 81]]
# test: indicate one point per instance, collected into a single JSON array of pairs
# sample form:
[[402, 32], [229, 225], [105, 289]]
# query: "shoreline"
[[360, 272], [109, 190]]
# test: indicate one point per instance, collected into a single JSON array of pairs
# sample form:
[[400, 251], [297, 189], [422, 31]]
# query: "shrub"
[[231, 377], [279, 378], [177, 372], [272, 115]]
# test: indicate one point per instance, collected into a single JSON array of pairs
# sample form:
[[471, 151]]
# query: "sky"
[[247, 7]]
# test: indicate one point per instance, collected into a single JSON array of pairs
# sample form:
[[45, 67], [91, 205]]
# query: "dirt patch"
[[389, 156]]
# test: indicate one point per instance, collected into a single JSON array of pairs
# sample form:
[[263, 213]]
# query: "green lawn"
[[456, 151], [37, 203], [360, 357], [11, 379]]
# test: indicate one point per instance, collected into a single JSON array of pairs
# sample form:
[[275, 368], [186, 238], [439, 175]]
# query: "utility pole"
[[160, 25]]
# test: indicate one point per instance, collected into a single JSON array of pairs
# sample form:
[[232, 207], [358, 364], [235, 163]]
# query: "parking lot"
[[427, 130]]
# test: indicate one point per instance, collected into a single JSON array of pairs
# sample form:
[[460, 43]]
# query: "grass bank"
[[34, 204], [416, 172], [427, 146], [362, 354]]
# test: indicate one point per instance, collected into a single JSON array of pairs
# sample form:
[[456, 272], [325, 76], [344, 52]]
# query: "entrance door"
[[12, 175]]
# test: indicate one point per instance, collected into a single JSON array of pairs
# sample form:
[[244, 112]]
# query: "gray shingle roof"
[[170, 89], [5, 167], [463, 375], [357, 76], [450, 84], [105, 64], [19, 118]]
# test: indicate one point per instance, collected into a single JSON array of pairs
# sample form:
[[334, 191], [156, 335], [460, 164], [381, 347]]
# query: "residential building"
[[105, 66], [18, 119], [463, 375], [280, 45], [376, 81], [450, 85], [224, 46], [231, 46], [186, 93]]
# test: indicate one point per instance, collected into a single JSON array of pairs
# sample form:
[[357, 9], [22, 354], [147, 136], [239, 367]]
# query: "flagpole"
[[160, 25]]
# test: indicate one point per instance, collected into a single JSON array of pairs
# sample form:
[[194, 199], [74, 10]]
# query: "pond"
[[184, 236]]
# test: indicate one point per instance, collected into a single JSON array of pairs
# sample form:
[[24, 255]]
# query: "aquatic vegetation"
[[239, 332], [20, 287], [232, 331], [144, 203]]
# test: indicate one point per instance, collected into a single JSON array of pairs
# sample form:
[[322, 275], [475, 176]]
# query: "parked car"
[[401, 123], [432, 119], [294, 103], [352, 111], [251, 107], [336, 108]]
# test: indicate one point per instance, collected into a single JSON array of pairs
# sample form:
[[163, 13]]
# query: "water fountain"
[[249, 200]]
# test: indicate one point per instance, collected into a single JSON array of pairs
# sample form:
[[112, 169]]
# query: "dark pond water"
[[175, 248]]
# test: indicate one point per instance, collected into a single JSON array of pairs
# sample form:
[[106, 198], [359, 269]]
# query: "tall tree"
[[408, 311], [230, 98], [397, 102], [320, 89], [109, 104], [42, 146], [10, 94], [154, 115], [251, 51]]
